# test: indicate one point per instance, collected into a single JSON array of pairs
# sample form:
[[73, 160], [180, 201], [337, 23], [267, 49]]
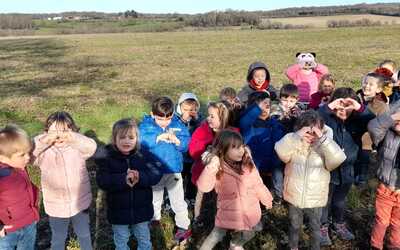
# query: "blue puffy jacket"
[[261, 136], [170, 155]]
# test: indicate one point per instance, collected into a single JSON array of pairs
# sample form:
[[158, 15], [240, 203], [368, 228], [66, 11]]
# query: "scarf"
[[263, 86]]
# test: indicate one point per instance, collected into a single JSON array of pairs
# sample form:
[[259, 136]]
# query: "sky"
[[160, 6]]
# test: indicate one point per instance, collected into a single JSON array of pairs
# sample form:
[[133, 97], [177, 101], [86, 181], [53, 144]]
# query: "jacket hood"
[[258, 65], [184, 97]]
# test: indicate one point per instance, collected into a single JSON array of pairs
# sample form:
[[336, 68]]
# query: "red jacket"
[[316, 99], [201, 138], [18, 199]]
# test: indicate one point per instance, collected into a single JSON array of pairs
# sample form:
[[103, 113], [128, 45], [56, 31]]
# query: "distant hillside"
[[388, 9]]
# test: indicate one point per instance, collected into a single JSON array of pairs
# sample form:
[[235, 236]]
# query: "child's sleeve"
[[208, 177], [321, 70], [263, 194], [105, 179], [249, 118], [198, 143], [151, 173], [292, 71], [39, 149], [379, 126], [184, 137], [330, 151], [85, 145], [287, 146]]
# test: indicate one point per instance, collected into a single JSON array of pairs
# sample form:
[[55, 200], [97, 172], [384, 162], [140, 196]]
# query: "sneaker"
[[343, 232], [324, 232], [182, 234], [277, 200]]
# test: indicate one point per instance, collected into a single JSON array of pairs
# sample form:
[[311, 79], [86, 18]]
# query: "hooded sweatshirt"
[[249, 88]]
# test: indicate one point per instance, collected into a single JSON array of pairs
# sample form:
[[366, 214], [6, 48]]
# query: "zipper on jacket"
[[131, 194]]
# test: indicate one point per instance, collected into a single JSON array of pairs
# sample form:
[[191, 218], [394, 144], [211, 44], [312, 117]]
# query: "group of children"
[[311, 140]]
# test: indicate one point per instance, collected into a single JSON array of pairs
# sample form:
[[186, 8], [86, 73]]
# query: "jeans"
[[387, 206], [336, 203], [59, 231], [239, 238], [22, 239], [277, 180], [174, 185], [141, 232], [296, 221]]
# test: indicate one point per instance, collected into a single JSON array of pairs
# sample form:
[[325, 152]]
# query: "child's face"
[[342, 113], [213, 119], [235, 153], [189, 111], [161, 121], [370, 87], [259, 77], [17, 160], [59, 130], [265, 106], [327, 87], [126, 142], [288, 102]]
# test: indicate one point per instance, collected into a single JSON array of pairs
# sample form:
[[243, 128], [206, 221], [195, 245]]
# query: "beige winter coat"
[[307, 177]]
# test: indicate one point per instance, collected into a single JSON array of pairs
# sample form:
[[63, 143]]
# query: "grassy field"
[[321, 21], [102, 78]]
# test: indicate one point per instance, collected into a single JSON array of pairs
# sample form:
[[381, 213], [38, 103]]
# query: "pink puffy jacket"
[[239, 196], [64, 178], [307, 84]]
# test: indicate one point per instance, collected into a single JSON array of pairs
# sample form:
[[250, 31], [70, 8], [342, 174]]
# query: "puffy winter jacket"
[[170, 155], [261, 136], [64, 178], [307, 177], [18, 198], [307, 84], [238, 196], [388, 140], [127, 205], [347, 135]]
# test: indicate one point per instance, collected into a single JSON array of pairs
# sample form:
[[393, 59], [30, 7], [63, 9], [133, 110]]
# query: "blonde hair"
[[223, 113], [13, 140], [387, 62], [123, 127]]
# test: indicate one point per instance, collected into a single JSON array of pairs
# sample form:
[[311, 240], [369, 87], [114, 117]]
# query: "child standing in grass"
[[348, 120], [203, 136], [385, 133], [258, 80], [260, 133], [231, 171], [310, 154], [61, 153], [18, 195], [187, 109], [167, 138], [126, 173], [306, 74]]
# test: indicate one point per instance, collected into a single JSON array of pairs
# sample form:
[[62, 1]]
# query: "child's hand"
[[132, 177], [351, 104], [173, 139], [336, 104], [306, 134], [163, 137], [66, 136], [213, 164], [3, 232], [317, 131], [49, 138], [396, 116]]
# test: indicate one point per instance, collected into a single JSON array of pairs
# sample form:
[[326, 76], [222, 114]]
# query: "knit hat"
[[306, 60], [184, 97]]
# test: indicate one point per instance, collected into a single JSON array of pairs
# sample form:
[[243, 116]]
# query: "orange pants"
[[387, 206]]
